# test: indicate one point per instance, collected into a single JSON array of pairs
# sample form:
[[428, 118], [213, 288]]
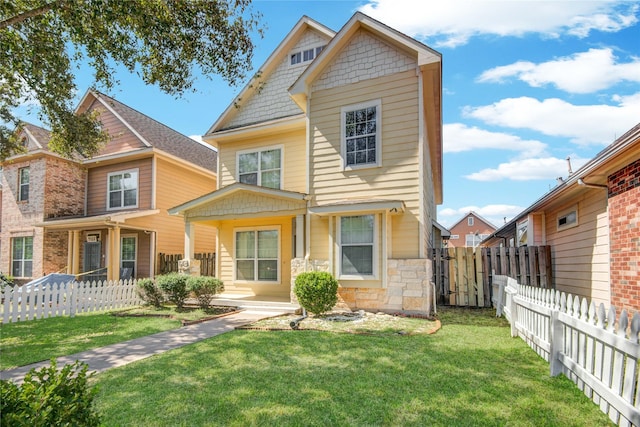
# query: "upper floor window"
[[473, 240], [261, 167], [361, 135], [470, 221], [305, 55], [123, 190], [23, 184], [22, 256], [357, 246]]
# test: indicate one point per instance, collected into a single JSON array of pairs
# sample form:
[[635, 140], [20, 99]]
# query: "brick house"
[[331, 160], [592, 222], [469, 231], [105, 216]]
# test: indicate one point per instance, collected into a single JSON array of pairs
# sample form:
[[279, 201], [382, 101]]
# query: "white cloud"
[[458, 137], [584, 72], [582, 124], [495, 213], [529, 169], [453, 22]]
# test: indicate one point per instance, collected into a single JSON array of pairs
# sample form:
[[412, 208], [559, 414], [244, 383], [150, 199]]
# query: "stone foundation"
[[409, 287]]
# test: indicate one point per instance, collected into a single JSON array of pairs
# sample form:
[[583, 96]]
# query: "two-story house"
[[103, 217], [330, 159], [469, 231]]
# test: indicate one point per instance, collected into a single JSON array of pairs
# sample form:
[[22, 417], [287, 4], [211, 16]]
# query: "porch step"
[[253, 304]]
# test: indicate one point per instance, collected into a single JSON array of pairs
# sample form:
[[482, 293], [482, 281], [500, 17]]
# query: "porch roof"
[[241, 201], [108, 219]]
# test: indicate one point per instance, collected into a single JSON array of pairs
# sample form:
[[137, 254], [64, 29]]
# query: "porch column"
[[73, 252], [300, 236], [113, 254], [189, 239], [152, 253]]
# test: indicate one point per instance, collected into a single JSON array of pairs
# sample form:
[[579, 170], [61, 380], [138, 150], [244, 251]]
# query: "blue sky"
[[526, 84]]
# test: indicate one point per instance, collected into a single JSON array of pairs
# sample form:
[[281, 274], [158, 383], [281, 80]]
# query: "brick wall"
[[65, 183], [624, 231], [54, 258]]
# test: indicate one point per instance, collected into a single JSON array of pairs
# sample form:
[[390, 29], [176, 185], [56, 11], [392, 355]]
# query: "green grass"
[[470, 373], [22, 343]]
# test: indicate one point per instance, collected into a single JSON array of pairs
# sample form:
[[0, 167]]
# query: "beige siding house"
[[330, 160], [103, 217], [592, 223]]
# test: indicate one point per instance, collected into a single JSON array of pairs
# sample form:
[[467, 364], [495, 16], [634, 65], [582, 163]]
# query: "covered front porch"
[[105, 247], [258, 232]]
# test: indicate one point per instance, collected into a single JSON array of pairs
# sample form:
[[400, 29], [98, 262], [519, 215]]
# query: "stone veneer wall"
[[409, 287]]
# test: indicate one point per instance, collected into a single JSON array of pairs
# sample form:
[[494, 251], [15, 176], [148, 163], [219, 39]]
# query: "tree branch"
[[29, 14]]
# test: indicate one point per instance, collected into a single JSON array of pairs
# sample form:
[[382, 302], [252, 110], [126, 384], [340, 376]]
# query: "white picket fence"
[[594, 348], [66, 299]]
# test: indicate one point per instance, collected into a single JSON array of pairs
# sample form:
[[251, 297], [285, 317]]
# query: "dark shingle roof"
[[40, 134], [163, 137]]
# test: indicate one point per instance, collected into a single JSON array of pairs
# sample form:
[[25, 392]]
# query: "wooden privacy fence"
[[66, 299], [591, 346], [168, 263], [463, 276]]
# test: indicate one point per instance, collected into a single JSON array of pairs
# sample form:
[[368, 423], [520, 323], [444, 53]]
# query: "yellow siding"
[[397, 178], [293, 164], [581, 253], [227, 245], [175, 185]]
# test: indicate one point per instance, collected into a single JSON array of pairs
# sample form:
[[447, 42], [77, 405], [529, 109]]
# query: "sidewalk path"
[[115, 355]]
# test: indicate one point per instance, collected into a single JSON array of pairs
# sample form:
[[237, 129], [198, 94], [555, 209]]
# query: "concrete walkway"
[[112, 356]]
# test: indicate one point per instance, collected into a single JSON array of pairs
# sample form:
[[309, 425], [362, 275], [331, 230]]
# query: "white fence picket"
[[597, 351], [66, 299]]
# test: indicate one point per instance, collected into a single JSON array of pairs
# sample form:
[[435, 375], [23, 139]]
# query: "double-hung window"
[[261, 168], [123, 190], [361, 135], [357, 246], [23, 184], [257, 254], [22, 256]]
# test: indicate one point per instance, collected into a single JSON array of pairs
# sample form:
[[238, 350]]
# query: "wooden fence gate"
[[463, 276], [168, 263]]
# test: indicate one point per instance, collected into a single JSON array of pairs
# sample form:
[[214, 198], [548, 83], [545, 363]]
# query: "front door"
[[93, 261]]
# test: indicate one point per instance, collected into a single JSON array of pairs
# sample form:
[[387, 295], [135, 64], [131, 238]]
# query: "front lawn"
[[469, 373], [22, 343]]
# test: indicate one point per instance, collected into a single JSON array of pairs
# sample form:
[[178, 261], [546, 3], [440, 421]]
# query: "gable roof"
[[155, 134], [472, 213], [595, 169], [272, 62], [38, 135]]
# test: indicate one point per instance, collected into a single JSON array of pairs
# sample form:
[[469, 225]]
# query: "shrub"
[[150, 293], [317, 291], [6, 279], [174, 286], [49, 397], [204, 288]]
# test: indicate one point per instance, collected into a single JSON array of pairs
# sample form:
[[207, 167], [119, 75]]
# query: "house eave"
[[108, 219], [393, 207]]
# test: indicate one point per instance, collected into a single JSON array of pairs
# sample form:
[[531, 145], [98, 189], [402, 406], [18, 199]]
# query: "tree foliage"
[[163, 41]]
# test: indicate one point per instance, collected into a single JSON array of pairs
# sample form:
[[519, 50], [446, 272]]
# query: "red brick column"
[[624, 236]]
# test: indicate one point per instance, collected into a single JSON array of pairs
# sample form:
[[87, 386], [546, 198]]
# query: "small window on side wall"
[[361, 135], [568, 218]]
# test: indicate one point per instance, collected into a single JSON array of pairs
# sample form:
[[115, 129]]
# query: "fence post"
[[556, 338], [513, 309]]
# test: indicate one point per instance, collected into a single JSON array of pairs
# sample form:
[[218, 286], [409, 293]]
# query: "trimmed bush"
[[204, 288], [150, 293], [174, 286], [6, 279], [49, 397], [317, 291]]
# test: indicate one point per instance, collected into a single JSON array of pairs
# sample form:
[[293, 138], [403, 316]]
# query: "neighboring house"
[[592, 223], [331, 159], [103, 217], [469, 231]]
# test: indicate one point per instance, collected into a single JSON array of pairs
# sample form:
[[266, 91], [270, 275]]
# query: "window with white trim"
[[522, 232], [22, 256], [128, 254], [305, 55], [470, 221], [357, 240], [23, 184], [361, 134], [568, 218], [257, 255], [263, 168], [122, 189], [473, 240]]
